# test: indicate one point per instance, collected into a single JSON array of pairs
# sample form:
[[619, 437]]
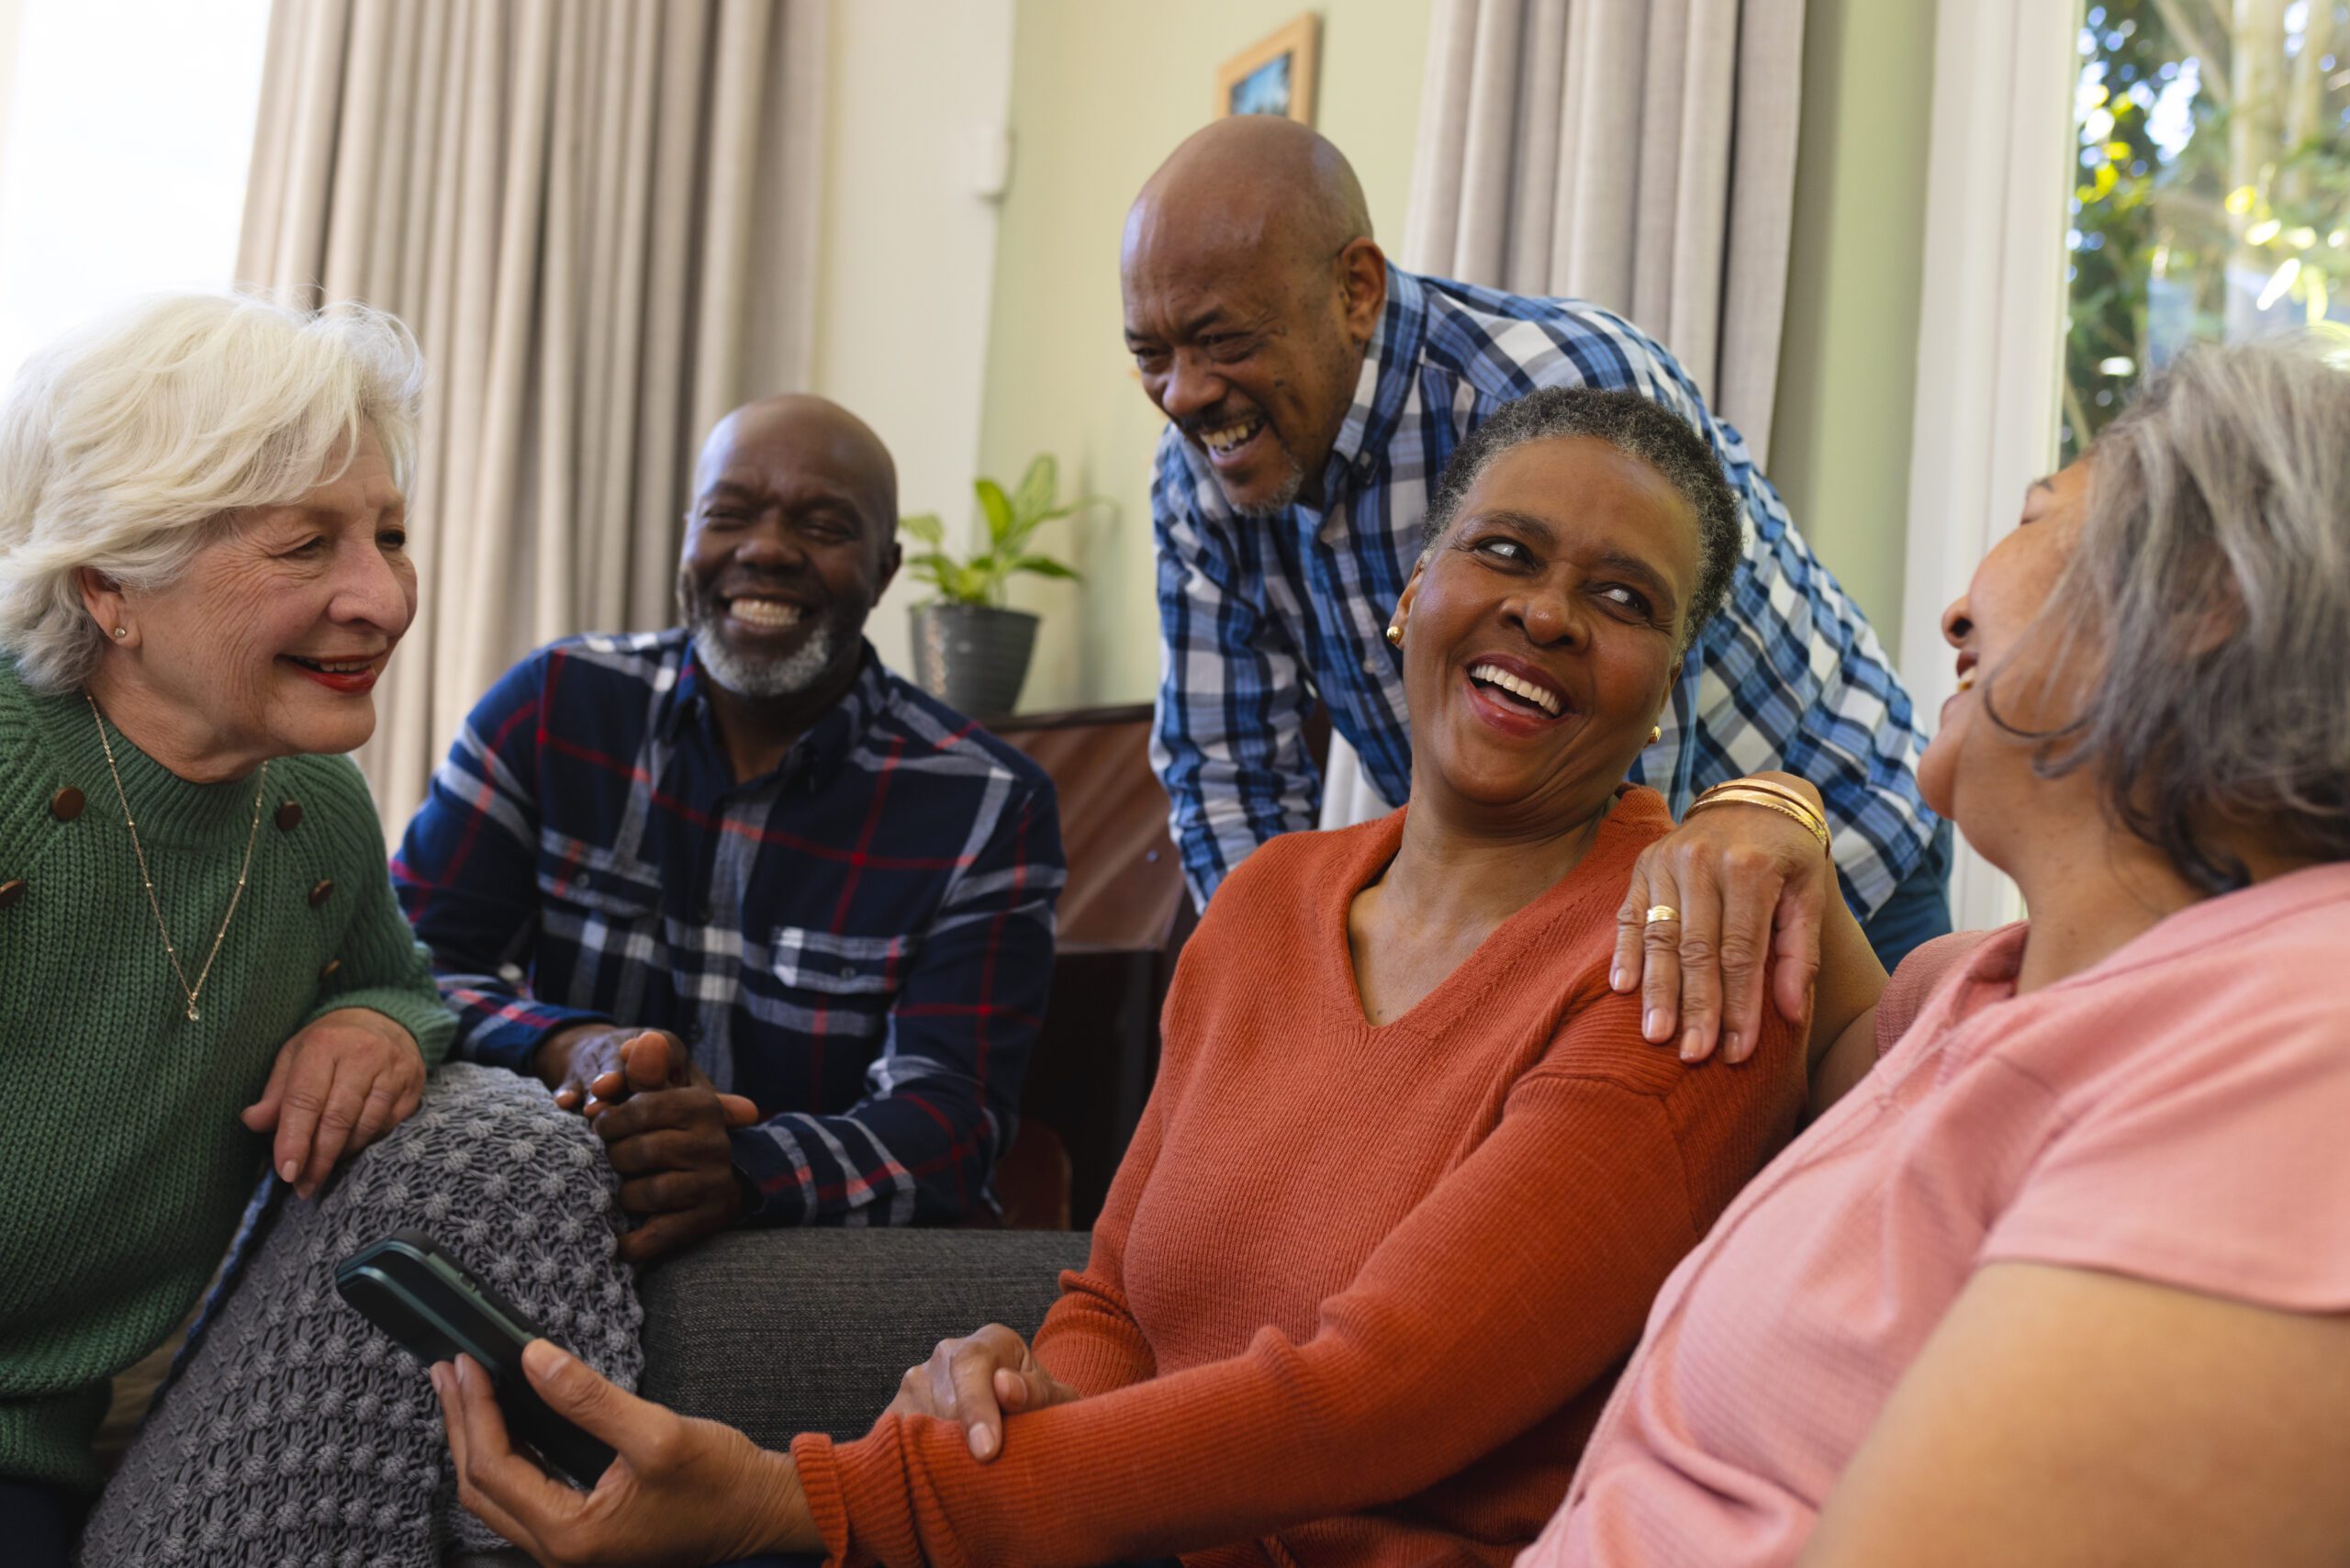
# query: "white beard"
[[786, 676]]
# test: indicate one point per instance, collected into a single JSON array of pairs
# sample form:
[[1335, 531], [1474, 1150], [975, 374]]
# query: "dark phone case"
[[409, 1286]]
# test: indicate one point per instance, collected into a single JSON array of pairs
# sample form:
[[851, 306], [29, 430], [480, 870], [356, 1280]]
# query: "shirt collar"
[[1385, 384], [817, 755]]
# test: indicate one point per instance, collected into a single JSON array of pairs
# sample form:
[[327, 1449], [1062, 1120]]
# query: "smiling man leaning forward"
[[1313, 392], [779, 923]]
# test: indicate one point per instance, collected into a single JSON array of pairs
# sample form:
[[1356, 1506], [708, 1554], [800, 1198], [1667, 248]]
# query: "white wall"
[[918, 95], [124, 167]]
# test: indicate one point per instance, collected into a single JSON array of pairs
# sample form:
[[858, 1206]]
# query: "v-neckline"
[[1378, 850]]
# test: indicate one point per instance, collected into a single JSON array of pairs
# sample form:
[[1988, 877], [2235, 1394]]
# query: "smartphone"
[[409, 1286]]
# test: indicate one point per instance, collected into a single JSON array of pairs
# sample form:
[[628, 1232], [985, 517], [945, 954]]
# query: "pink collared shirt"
[[2177, 1113]]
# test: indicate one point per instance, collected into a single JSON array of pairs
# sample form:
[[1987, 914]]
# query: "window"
[[2211, 192], [128, 129]]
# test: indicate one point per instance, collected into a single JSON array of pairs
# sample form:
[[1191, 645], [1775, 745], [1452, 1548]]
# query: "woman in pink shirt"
[[2064, 1277]]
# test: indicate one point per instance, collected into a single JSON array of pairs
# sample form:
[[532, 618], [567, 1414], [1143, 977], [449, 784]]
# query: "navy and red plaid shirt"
[[859, 941]]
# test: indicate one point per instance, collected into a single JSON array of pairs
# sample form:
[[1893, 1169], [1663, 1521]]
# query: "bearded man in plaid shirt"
[[780, 924], [1314, 394]]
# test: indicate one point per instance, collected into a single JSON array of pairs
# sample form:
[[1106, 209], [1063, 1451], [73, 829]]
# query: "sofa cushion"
[[779, 1332]]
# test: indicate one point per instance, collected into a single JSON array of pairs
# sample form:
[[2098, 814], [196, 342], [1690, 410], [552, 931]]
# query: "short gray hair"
[[2214, 567], [1638, 428], [122, 441]]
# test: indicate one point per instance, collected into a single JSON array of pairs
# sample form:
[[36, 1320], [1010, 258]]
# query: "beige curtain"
[[599, 216], [1639, 154]]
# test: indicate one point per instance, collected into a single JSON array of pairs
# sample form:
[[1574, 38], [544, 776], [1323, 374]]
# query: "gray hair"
[[121, 443], [2214, 567], [1635, 425]]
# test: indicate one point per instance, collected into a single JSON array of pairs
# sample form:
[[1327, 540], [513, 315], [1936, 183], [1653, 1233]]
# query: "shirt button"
[[848, 971], [11, 890], [289, 816], [66, 804], [323, 891]]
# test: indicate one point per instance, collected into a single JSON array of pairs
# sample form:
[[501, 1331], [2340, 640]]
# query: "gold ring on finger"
[[1661, 912]]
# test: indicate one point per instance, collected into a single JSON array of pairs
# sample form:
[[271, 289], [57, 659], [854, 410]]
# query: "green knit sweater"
[[123, 1164]]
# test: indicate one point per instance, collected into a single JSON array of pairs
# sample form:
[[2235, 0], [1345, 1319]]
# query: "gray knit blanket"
[[292, 1434]]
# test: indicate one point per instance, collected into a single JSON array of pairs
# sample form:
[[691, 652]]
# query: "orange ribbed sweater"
[[1358, 1294]]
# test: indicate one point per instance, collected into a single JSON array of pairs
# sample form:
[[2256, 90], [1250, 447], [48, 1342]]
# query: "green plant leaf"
[[973, 585], [925, 527], [1043, 567], [997, 508], [1032, 502]]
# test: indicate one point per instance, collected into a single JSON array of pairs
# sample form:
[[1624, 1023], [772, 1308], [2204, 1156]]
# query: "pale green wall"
[[1102, 91], [1840, 445]]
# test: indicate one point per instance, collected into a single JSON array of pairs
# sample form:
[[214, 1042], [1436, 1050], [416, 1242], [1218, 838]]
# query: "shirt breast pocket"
[[589, 907], [847, 967]]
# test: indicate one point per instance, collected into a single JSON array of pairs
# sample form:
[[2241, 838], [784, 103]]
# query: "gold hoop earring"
[[1395, 635]]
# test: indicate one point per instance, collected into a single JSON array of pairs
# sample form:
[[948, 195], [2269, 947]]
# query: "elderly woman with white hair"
[[203, 569]]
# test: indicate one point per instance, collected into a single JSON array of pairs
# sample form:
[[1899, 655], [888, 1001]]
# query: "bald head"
[[801, 429], [1260, 180], [1252, 286]]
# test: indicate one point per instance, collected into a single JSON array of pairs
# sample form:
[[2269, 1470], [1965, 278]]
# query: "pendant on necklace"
[[191, 1012]]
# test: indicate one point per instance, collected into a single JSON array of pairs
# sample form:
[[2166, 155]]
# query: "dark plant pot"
[[973, 658]]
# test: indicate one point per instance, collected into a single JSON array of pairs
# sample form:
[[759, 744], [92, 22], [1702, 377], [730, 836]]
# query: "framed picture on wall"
[[1274, 75]]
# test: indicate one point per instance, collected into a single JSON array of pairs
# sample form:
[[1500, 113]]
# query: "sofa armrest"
[[779, 1332]]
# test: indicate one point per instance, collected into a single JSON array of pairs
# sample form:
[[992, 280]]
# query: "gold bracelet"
[[1811, 824], [1793, 797], [1748, 789], [1750, 793]]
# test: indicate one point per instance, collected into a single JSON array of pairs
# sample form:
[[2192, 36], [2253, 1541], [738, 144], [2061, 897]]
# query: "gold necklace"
[[261, 783]]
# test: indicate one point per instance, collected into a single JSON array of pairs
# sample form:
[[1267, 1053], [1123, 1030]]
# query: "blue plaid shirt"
[[859, 941], [1260, 616]]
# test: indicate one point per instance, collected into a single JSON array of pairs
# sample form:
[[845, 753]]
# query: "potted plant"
[[969, 651]]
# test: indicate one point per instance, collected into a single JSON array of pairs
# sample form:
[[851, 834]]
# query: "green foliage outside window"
[[2212, 186]]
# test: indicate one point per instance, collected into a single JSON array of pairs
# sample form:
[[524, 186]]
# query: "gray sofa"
[[784, 1332]]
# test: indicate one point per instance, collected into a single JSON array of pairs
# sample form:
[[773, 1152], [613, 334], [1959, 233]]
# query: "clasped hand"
[[665, 1127], [977, 1380]]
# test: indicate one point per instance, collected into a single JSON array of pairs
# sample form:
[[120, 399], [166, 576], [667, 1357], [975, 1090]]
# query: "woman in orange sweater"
[[1404, 1137]]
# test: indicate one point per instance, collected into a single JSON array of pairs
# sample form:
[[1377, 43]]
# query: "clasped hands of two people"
[[1752, 892]]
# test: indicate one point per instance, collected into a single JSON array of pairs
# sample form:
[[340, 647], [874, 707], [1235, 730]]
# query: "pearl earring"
[[121, 631], [1395, 635]]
